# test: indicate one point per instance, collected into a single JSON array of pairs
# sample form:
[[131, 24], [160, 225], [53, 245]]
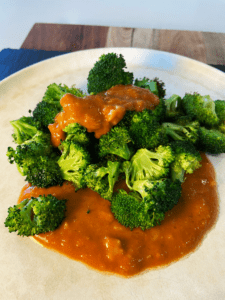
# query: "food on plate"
[[127, 160], [36, 215]]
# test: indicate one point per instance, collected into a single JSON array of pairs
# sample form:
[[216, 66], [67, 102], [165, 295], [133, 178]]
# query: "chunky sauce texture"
[[90, 233], [99, 113]]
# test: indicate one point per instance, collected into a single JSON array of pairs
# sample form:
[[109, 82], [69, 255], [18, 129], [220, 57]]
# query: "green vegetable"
[[146, 131], [47, 109], [149, 165], [116, 142], [188, 132], [186, 159], [44, 171], [200, 108], [220, 110], [36, 215], [76, 133], [133, 210], [37, 160], [211, 141], [173, 107], [108, 71], [102, 179], [73, 162], [24, 129], [156, 86]]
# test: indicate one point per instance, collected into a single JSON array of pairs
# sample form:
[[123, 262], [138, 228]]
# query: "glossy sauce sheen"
[[91, 234], [98, 113]]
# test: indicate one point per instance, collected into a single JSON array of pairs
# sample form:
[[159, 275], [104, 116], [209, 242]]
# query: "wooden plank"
[[203, 46], [142, 38], [186, 43], [215, 47], [119, 37], [59, 37]]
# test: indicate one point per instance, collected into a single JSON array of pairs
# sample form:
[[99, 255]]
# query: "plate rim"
[[108, 50]]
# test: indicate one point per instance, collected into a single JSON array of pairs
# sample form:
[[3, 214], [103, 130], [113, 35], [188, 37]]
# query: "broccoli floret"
[[44, 171], [173, 108], [24, 129], [187, 132], [108, 71], [200, 108], [116, 142], [149, 165], [165, 192], [76, 133], [156, 86], [221, 128], [187, 159], [30, 150], [220, 110], [47, 109], [73, 162], [146, 131], [36, 215], [37, 160], [44, 114], [55, 92], [102, 179], [160, 111], [145, 207], [211, 141]]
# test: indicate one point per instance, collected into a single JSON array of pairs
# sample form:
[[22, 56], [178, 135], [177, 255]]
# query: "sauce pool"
[[92, 235]]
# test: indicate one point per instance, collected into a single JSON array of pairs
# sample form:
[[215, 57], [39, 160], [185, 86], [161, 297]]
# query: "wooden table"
[[206, 47]]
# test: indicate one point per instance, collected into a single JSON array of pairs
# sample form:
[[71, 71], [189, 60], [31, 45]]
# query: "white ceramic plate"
[[29, 271]]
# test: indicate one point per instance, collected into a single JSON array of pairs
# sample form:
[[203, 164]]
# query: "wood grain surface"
[[206, 47]]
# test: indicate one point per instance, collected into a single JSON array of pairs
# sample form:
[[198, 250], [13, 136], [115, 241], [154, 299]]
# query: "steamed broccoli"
[[76, 133], [30, 150], [220, 111], [54, 93], [116, 142], [47, 109], [173, 107], [108, 71], [37, 160], [200, 108], [156, 86], [187, 132], [44, 171], [146, 131], [149, 165], [145, 207], [44, 114], [24, 129], [211, 141], [73, 162], [36, 215], [186, 159], [102, 179]]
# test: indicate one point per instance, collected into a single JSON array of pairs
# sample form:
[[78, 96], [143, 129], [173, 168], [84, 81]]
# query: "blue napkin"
[[13, 60]]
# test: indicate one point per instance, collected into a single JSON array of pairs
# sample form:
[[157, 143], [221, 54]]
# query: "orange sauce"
[[90, 233], [98, 113]]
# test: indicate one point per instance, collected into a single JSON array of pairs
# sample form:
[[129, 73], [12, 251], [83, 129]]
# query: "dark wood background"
[[206, 47]]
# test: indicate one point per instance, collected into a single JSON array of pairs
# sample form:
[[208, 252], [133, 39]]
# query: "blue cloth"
[[13, 60]]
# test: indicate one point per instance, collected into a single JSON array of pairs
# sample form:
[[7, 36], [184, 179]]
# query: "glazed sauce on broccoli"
[[90, 233], [99, 113]]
